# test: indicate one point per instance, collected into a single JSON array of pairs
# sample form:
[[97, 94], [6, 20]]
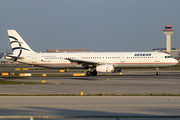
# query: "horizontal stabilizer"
[[14, 58]]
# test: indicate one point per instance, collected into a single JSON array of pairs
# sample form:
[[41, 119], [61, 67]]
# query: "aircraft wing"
[[85, 62]]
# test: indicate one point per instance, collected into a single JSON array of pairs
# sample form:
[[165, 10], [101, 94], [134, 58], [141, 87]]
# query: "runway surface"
[[146, 83], [89, 105], [126, 84]]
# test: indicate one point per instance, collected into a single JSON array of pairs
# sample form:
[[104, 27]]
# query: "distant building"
[[68, 50], [168, 31], [175, 52], [164, 49]]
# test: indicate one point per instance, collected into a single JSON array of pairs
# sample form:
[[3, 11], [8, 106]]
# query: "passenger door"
[[122, 58], [157, 57], [33, 58]]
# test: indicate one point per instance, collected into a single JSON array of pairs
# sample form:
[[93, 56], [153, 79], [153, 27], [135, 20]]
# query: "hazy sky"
[[99, 25]]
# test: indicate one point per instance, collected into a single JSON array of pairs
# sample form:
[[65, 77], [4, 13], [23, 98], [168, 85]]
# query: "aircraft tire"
[[157, 73], [88, 73], [94, 73]]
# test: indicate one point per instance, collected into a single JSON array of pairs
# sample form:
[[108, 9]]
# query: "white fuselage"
[[117, 59]]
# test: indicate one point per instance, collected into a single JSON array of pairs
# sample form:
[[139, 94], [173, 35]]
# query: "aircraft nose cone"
[[175, 61]]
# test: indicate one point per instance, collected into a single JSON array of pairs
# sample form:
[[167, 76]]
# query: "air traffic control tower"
[[168, 31]]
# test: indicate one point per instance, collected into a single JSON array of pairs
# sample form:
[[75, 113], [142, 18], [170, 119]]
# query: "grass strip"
[[164, 94]]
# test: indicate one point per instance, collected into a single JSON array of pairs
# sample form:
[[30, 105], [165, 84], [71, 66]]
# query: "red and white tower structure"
[[168, 31]]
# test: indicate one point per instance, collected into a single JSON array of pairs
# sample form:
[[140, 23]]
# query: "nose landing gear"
[[157, 72]]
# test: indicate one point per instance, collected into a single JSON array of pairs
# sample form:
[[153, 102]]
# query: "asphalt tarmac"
[[146, 83], [89, 105], [125, 84]]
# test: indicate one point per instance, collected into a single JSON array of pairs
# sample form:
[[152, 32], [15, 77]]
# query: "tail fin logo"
[[20, 46], [16, 48]]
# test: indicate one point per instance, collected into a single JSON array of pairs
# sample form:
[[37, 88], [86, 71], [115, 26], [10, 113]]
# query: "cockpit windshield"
[[168, 57]]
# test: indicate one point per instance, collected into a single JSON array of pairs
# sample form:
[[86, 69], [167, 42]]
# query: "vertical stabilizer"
[[18, 45], [4, 56]]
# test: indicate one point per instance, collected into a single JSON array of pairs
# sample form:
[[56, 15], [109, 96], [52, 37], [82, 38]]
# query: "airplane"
[[3, 60], [93, 61]]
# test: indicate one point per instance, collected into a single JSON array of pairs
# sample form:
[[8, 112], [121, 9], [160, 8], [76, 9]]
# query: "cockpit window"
[[168, 57]]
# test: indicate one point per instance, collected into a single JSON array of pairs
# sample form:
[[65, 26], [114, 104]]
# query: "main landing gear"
[[157, 72], [93, 73]]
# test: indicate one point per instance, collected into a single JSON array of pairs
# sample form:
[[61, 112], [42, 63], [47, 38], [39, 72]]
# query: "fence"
[[115, 117]]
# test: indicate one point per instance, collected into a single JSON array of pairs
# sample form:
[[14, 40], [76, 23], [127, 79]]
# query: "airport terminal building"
[[175, 52], [68, 50]]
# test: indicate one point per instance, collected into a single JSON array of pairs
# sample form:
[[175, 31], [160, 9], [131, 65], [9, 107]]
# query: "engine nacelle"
[[105, 68]]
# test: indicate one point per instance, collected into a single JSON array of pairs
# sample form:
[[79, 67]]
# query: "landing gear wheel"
[[88, 73], [94, 73], [157, 73]]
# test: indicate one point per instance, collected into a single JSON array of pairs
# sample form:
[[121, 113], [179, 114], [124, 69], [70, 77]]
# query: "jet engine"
[[105, 68]]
